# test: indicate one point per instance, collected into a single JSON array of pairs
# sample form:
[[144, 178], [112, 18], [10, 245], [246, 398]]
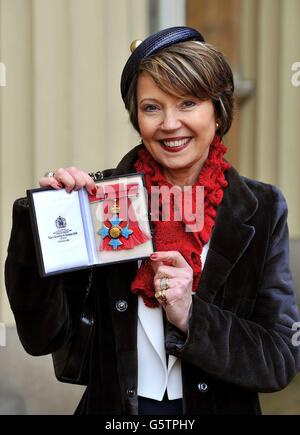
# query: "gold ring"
[[164, 283], [161, 296]]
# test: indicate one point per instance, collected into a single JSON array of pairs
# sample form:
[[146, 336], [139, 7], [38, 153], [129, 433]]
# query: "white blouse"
[[154, 376]]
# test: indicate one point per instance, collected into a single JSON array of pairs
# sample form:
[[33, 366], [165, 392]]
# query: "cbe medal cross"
[[120, 229], [115, 231]]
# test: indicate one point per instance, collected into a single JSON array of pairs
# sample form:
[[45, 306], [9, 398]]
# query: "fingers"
[[169, 271], [89, 184], [178, 272], [174, 258], [177, 291], [179, 283], [175, 297], [72, 178], [69, 178], [155, 265], [50, 182]]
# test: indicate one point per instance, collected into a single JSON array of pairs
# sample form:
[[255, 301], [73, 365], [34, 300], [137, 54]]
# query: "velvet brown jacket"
[[240, 333]]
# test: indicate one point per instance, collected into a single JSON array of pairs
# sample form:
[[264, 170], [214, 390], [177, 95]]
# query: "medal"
[[115, 231], [120, 229]]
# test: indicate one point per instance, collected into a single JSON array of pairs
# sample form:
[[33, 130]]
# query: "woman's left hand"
[[172, 265]]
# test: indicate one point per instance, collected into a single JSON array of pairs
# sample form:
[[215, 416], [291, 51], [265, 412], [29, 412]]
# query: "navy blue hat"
[[153, 44]]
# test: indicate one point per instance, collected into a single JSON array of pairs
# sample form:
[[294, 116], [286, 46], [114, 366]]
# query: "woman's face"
[[177, 132]]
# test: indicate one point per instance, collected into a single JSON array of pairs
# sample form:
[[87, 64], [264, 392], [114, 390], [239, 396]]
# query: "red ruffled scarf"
[[171, 235]]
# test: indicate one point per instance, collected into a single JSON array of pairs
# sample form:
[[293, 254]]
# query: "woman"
[[206, 324]]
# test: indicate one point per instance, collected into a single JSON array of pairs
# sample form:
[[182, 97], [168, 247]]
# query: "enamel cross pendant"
[[115, 231], [120, 229]]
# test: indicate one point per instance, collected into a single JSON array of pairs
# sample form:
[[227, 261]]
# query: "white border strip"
[[2, 74], [2, 335]]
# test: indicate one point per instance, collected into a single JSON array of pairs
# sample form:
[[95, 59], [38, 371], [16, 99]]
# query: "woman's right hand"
[[69, 178]]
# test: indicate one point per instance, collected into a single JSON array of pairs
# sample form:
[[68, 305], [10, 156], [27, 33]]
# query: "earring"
[[217, 125]]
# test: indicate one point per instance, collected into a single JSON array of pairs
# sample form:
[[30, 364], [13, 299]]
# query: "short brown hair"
[[189, 68]]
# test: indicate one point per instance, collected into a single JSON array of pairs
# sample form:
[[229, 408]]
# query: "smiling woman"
[[205, 323], [185, 69], [177, 131], [178, 100]]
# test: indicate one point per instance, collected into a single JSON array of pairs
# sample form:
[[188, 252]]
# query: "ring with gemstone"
[[49, 174], [164, 283]]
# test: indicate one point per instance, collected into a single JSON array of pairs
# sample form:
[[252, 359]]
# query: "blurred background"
[[60, 105]]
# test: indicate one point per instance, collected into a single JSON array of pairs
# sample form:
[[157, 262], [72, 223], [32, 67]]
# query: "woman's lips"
[[175, 145]]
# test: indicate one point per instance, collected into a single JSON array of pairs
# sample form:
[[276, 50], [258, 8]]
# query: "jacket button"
[[121, 306], [130, 392], [203, 387]]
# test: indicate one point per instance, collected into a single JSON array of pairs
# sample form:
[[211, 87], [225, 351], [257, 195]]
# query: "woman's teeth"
[[175, 143]]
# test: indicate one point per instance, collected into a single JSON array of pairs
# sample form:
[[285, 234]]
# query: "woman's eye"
[[150, 108], [188, 103]]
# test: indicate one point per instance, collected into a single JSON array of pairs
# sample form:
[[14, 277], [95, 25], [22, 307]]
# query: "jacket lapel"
[[149, 317], [231, 235]]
